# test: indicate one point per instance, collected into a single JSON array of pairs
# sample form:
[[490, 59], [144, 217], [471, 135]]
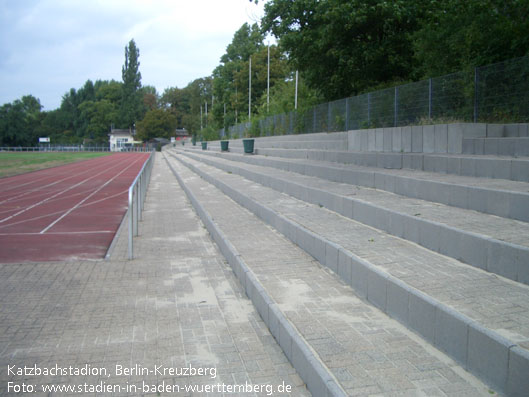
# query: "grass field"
[[13, 163]]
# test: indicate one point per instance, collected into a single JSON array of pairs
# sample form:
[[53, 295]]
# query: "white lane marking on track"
[[91, 170], [58, 233], [62, 211], [48, 185], [86, 198], [66, 197], [55, 195]]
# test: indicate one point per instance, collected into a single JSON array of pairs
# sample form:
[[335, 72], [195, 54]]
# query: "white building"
[[121, 140]]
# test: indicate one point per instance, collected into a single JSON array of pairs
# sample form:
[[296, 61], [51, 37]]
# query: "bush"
[[255, 129], [210, 134]]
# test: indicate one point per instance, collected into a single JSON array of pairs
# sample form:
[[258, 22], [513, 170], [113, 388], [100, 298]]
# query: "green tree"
[[344, 47], [246, 41], [157, 123], [87, 92], [99, 116], [19, 122], [75, 117], [278, 73], [177, 100], [70, 102], [229, 88], [109, 90], [149, 98], [457, 35], [186, 103], [132, 102], [84, 94], [282, 97], [200, 93], [55, 125]]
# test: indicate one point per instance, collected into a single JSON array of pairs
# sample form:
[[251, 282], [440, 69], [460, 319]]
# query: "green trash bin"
[[224, 145], [204, 145], [248, 145]]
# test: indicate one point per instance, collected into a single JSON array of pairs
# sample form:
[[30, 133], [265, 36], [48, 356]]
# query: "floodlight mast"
[[296, 95], [268, 83]]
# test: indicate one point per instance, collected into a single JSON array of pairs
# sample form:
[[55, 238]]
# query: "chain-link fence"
[[502, 91], [492, 93]]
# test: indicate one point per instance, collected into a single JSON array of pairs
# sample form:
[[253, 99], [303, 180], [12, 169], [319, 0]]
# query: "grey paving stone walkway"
[[135, 326], [495, 302], [367, 352], [503, 229]]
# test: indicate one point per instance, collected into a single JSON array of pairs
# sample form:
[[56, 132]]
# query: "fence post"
[[396, 109], [137, 218], [347, 114], [329, 117], [369, 110], [131, 221], [430, 98], [314, 119], [476, 81]]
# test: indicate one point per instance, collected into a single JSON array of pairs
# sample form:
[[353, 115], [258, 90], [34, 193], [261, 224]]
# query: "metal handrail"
[[137, 193]]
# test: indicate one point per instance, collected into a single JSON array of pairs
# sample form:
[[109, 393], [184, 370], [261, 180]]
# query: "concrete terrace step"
[[504, 146], [495, 244], [484, 166], [336, 341], [319, 136], [479, 319], [508, 199], [307, 144], [515, 169]]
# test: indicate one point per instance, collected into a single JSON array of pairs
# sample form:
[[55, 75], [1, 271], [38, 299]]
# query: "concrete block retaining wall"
[[515, 169], [456, 138], [439, 138], [506, 146]]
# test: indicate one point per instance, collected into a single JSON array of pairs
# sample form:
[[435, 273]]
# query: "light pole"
[[268, 83], [296, 95]]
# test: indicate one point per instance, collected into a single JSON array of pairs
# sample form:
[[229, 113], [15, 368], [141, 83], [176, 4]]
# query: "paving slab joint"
[[318, 378]]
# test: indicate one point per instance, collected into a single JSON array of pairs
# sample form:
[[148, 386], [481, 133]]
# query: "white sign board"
[[173, 139], [44, 140]]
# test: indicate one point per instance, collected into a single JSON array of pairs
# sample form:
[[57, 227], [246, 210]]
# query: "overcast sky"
[[50, 46]]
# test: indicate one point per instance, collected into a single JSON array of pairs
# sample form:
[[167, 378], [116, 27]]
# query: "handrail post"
[[131, 215], [138, 208], [137, 195]]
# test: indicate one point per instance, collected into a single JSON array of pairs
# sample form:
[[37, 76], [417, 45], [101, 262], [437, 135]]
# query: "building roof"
[[125, 132]]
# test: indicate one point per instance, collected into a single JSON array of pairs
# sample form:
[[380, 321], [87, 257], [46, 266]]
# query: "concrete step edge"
[[319, 379], [483, 252], [488, 355], [481, 199], [512, 168]]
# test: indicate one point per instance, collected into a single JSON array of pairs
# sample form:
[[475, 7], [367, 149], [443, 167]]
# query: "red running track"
[[69, 212]]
